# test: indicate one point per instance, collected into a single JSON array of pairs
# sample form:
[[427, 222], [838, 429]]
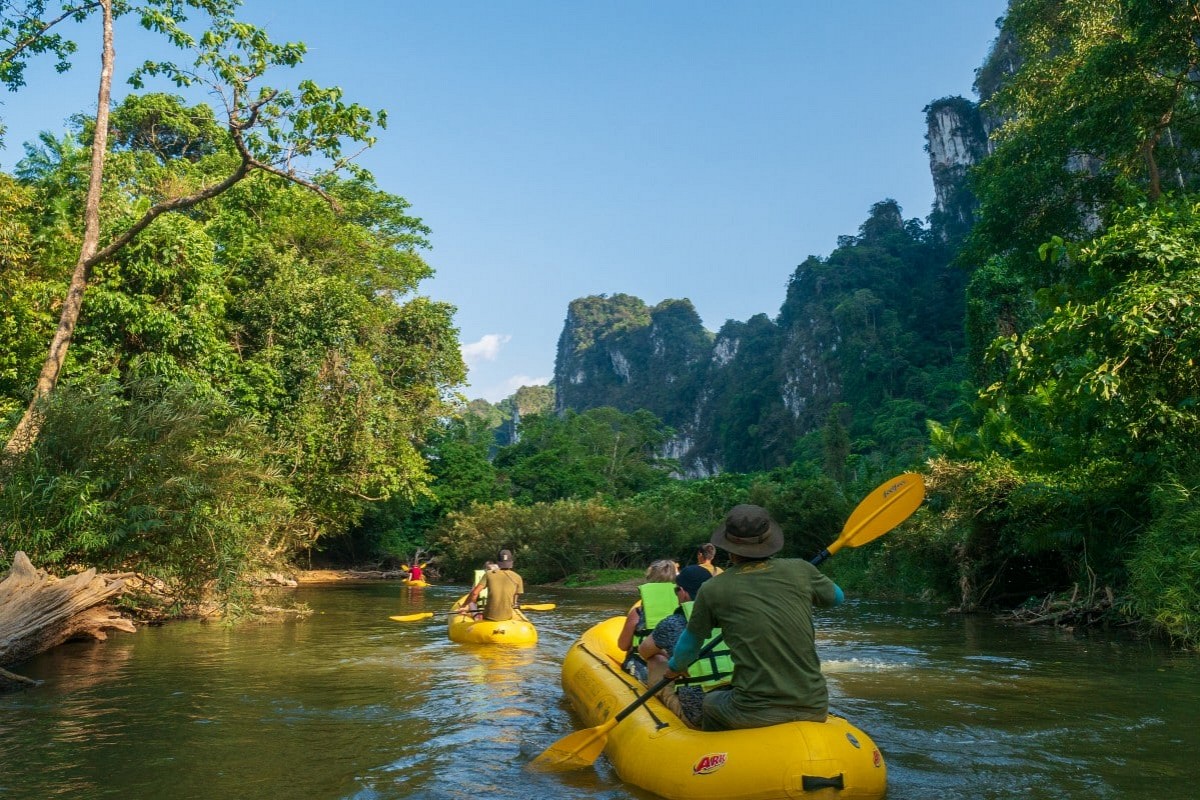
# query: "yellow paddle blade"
[[538, 606], [413, 617], [887, 506], [576, 751]]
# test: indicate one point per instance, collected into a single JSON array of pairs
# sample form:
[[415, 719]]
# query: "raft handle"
[[811, 783]]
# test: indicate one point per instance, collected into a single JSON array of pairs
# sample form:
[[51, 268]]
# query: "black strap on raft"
[[811, 783], [606, 663]]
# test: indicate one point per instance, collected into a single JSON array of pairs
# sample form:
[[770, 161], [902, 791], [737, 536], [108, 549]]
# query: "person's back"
[[504, 587], [764, 606], [765, 610]]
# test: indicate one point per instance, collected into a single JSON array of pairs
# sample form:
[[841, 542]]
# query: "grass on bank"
[[602, 577]]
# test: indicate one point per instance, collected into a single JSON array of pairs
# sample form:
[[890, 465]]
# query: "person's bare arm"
[[474, 594], [625, 639]]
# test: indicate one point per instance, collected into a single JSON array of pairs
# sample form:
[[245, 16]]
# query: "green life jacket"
[[658, 603], [712, 670]]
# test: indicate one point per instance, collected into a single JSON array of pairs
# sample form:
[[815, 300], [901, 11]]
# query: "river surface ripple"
[[350, 705]]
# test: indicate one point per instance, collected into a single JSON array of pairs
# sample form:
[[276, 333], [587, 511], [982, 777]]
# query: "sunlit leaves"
[[1113, 368], [600, 451]]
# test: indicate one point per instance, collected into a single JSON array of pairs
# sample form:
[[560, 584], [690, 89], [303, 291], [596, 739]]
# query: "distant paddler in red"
[[415, 574]]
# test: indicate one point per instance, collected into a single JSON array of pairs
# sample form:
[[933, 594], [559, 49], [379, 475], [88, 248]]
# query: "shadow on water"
[[349, 704]]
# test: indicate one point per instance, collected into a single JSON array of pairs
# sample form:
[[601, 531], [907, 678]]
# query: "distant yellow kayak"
[[416, 584], [463, 627], [653, 750]]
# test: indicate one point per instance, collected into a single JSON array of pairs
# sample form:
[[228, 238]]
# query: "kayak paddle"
[[427, 614], [883, 509], [877, 513]]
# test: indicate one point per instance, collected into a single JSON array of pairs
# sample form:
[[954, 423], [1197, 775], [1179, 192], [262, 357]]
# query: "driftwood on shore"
[[39, 611], [1081, 608]]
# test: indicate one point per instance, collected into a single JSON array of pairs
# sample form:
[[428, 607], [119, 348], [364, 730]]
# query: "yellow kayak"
[[465, 628], [654, 750], [417, 583]]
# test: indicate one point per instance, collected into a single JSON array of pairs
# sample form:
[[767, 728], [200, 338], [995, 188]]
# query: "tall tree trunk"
[[26, 432]]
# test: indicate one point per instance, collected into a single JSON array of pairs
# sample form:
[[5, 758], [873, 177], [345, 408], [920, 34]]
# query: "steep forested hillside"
[[867, 339]]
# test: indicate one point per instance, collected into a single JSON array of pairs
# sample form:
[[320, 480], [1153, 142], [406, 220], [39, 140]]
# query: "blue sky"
[[663, 149]]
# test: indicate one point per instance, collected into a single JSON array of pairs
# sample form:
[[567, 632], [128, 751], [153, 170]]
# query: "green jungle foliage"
[[566, 538], [888, 326], [1164, 566], [600, 451], [262, 335], [1081, 321], [599, 454], [152, 476], [458, 454]]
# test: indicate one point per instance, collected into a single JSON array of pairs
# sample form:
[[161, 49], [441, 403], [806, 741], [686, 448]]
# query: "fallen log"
[[39, 611]]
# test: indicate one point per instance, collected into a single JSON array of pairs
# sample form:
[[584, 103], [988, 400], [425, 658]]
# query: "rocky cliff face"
[[956, 140], [617, 351], [870, 326], [870, 334]]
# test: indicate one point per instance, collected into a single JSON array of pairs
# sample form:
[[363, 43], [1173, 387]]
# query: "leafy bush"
[[152, 479], [673, 520], [1164, 569], [550, 541]]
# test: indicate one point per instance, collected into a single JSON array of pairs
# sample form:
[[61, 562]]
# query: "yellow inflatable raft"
[[465, 628], [652, 749]]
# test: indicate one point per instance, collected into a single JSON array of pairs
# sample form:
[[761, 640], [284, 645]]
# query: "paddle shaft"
[[424, 615], [662, 684]]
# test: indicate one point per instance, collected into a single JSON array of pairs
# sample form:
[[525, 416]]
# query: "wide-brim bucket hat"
[[505, 559], [749, 531]]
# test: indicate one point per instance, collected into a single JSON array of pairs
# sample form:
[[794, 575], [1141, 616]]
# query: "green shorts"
[[722, 714]]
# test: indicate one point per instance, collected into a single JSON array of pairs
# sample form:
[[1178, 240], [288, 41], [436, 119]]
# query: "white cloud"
[[486, 349]]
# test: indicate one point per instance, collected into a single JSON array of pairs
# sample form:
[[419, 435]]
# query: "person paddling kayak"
[[765, 608], [504, 589]]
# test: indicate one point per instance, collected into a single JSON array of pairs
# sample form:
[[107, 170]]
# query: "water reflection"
[[349, 704]]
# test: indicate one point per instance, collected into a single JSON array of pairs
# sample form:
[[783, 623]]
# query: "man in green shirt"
[[764, 606]]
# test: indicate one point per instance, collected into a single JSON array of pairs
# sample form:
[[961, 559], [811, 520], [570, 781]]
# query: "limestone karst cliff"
[[870, 337], [872, 331], [956, 140]]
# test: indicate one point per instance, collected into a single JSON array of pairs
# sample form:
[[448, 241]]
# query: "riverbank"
[[315, 576]]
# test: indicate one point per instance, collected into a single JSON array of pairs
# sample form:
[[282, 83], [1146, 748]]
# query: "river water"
[[347, 704]]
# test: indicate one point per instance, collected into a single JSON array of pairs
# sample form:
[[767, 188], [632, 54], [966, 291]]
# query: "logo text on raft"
[[710, 763]]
